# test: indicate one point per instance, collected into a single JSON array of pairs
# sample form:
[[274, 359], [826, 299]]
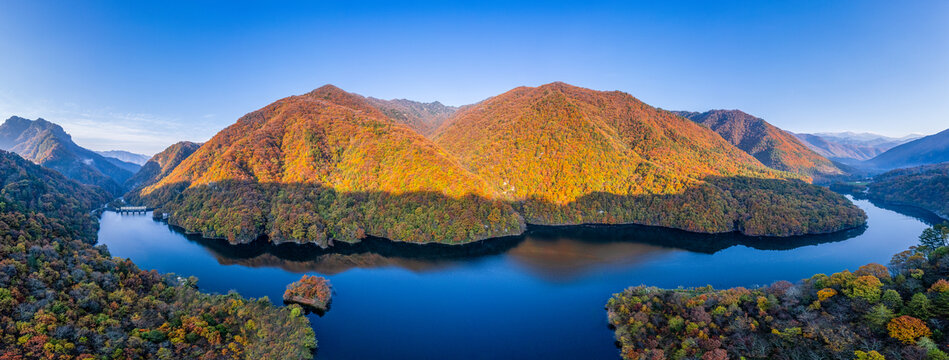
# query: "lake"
[[539, 295]]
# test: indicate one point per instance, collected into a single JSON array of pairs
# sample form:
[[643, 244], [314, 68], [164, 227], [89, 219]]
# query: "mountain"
[[925, 187], [46, 143], [568, 155], [324, 166], [125, 156], [424, 118], [334, 166], [51, 266], [931, 149], [127, 166], [772, 146], [848, 146], [161, 164]]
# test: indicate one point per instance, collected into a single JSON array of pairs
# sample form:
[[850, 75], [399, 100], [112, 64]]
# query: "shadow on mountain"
[[550, 251], [243, 211], [927, 217]]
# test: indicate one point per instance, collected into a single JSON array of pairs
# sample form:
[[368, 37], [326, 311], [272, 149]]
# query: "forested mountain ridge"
[[161, 164], [568, 155], [45, 143], [424, 118], [925, 187], [61, 297], [330, 165], [775, 148], [932, 149]]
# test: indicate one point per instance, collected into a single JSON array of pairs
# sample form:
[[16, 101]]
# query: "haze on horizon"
[[140, 76]]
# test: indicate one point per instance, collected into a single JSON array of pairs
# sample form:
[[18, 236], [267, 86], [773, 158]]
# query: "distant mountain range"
[[45, 143], [849, 147], [931, 149], [775, 148], [126, 156], [334, 166]]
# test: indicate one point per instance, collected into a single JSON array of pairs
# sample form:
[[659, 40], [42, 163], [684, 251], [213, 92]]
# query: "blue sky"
[[139, 76]]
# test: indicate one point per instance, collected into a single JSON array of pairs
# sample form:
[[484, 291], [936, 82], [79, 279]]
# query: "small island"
[[313, 292]]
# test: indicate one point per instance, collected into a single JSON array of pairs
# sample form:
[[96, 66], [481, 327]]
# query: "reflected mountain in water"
[[927, 217], [550, 251]]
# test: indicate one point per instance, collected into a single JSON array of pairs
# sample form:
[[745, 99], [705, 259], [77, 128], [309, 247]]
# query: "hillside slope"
[[62, 297], [926, 187], [772, 146], [568, 155], [326, 166], [932, 149], [161, 164], [330, 165], [45, 143]]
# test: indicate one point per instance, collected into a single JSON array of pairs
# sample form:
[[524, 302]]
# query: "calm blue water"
[[540, 295]]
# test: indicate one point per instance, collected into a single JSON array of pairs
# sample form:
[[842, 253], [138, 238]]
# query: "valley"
[[334, 180], [512, 290]]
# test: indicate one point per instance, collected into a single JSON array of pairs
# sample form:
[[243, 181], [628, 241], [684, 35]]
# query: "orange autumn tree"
[[313, 291], [908, 329]]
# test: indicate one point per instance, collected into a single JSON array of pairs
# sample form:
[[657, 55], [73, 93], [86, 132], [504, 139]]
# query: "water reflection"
[[549, 251], [928, 217], [539, 295]]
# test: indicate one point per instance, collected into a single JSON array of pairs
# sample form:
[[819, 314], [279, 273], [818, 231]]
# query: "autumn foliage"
[[333, 166], [772, 146], [312, 291], [897, 314], [907, 329], [926, 187], [63, 298]]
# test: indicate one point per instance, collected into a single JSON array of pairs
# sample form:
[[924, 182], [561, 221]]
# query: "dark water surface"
[[535, 296]]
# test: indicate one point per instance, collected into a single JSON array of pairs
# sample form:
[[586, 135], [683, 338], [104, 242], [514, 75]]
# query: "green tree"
[[919, 306], [892, 299], [879, 315], [934, 238]]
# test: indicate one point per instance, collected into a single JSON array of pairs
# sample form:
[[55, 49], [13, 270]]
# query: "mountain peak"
[[328, 88], [772, 146], [17, 125], [46, 143], [561, 87]]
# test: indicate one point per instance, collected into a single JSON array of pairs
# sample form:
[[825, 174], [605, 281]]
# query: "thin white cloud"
[[108, 129]]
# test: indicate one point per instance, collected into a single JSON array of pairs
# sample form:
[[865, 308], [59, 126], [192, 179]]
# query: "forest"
[[62, 297], [926, 187], [334, 166], [899, 311], [774, 147]]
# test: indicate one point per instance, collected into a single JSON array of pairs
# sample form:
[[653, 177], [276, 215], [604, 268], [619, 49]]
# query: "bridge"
[[132, 209]]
